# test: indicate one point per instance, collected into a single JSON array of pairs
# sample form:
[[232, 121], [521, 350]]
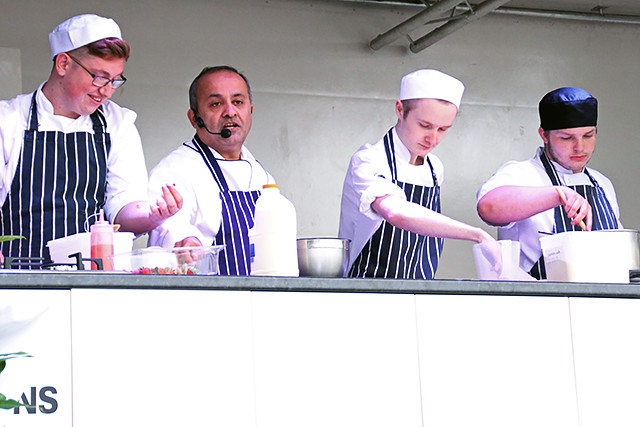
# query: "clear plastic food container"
[[157, 260]]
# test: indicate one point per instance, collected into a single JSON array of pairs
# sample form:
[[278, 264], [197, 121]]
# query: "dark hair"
[[407, 105], [111, 47], [193, 88]]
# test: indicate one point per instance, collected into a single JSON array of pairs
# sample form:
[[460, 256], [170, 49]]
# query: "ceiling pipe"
[[412, 23], [533, 13], [441, 32], [573, 16]]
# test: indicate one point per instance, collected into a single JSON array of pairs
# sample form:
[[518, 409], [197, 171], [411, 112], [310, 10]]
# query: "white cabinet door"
[[606, 341], [162, 358], [496, 361], [332, 359]]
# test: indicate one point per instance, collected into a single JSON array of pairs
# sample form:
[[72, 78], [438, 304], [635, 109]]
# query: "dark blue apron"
[[603, 217], [396, 253], [60, 182], [238, 209]]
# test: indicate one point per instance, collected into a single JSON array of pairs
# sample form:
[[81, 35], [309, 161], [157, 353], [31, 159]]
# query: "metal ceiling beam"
[[434, 12], [533, 13], [572, 16], [416, 21], [441, 32]]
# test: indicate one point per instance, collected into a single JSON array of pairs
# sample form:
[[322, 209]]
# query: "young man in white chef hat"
[[391, 196], [69, 151], [552, 192]]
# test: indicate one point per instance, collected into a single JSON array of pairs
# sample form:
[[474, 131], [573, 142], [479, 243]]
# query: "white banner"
[[36, 322]]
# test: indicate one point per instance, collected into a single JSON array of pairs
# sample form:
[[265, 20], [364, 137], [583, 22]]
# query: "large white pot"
[[604, 256]]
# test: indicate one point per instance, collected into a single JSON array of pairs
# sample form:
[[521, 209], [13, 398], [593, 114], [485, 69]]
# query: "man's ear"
[[541, 132], [191, 115], [399, 109], [61, 63]]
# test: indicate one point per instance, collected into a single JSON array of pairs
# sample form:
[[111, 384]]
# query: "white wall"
[[320, 92]]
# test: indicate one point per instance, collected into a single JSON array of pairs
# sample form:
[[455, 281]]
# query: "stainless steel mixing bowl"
[[323, 256]]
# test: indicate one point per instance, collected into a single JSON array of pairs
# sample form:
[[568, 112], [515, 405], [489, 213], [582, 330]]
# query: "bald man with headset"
[[215, 172]]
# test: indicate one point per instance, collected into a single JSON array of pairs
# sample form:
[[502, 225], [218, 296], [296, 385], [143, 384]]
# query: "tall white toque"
[[431, 84], [80, 31]]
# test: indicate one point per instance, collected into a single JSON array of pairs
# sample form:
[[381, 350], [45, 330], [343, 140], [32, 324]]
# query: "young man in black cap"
[[552, 192]]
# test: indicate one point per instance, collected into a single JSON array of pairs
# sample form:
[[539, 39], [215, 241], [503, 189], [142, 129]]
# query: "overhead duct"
[[434, 13], [600, 17], [416, 21], [441, 32]]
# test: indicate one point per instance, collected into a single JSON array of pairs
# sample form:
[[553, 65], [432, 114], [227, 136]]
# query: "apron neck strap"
[[97, 118], [211, 163], [553, 173], [389, 148]]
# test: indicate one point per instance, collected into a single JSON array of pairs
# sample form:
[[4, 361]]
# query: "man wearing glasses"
[[69, 151]]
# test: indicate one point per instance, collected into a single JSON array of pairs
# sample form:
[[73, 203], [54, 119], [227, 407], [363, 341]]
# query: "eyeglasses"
[[100, 81]]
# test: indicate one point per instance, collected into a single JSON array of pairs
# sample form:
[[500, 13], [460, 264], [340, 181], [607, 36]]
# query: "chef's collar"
[[557, 166], [403, 155], [568, 107]]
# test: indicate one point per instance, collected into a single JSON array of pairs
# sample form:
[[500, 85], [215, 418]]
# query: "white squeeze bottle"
[[274, 251], [102, 243]]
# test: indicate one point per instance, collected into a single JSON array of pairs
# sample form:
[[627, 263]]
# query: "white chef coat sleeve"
[[13, 122], [200, 215], [127, 171], [512, 173], [519, 173], [370, 178]]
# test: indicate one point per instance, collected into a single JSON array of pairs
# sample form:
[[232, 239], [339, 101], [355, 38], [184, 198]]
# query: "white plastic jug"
[[272, 239]]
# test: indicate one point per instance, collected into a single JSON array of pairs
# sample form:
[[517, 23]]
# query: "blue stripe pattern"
[[238, 209], [60, 181], [397, 253]]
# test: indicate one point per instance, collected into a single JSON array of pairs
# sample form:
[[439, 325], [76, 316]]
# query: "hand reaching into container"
[[492, 251], [188, 256]]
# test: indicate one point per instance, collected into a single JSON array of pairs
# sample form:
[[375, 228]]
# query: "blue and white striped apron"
[[603, 217], [238, 210], [396, 253], [60, 181]]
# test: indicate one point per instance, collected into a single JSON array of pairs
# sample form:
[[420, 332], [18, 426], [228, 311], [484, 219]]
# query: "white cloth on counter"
[[531, 172], [127, 172], [201, 211], [369, 177]]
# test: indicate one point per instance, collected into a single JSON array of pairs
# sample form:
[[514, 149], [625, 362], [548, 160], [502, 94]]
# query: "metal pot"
[[604, 256], [323, 256], [628, 245]]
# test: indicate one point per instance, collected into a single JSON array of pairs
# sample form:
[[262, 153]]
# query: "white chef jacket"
[[369, 177], [531, 172], [201, 212], [126, 170]]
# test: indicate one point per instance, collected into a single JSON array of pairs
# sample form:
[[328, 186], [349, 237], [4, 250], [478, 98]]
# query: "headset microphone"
[[225, 133]]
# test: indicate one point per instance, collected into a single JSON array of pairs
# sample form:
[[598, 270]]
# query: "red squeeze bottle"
[[102, 243]]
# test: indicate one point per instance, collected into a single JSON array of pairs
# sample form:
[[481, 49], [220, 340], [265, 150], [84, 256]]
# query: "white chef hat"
[[80, 31], [431, 84]]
